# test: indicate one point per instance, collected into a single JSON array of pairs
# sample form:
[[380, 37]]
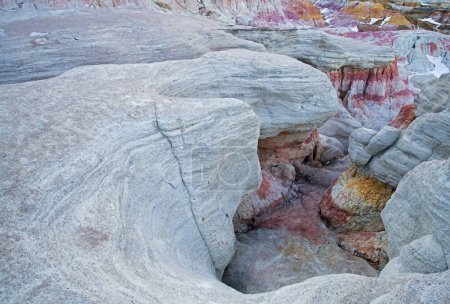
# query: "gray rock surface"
[[332, 149], [254, 77], [416, 220], [44, 46], [322, 50], [383, 139], [434, 94], [424, 255], [427, 138], [340, 126], [357, 145], [102, 204], [167, 79]]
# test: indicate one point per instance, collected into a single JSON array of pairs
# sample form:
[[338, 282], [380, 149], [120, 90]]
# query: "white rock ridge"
[[102, 200]]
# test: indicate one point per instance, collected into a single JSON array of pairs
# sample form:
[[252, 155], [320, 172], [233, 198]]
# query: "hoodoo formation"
[[236, 151]]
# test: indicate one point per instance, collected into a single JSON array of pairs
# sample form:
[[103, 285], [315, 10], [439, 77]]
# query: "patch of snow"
[[431, 20], [439, 67], [38, 34], [354, 29], [373, 20], [424, 4], [324, 12], [386, 19]]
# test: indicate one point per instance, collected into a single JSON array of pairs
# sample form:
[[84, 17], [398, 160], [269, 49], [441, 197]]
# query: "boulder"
[[357, 146], [427, 138], [434, 96], [382, 140], [416, 222], [424, 255], [332, 149]]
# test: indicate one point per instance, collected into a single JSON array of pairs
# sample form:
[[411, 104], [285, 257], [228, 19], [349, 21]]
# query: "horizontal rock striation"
[[366, 77], [322, 50], [427, 138]]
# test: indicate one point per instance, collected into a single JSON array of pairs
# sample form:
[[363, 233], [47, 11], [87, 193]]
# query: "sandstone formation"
[[100, 212], [53, 44], [355, 201], [416, 220], [434, 94], [427, 138], [322, 50], [215, 149], [366, 77]]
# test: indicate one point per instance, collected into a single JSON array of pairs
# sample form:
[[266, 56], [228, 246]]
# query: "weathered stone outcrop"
[[366, 77], [434, 94], [372, 96], [355, 201], [369, 245], [53, 44], [324, 51], [99, 181], [418, 51], [416, 220], [254, 12], [427, 138]]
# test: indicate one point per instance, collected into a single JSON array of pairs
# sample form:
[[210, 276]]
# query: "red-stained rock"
[[369, 245], [291, 146], [355, 201], [278, 178], [372, 96], [277, 156], [335, 216], [405, 117], [302, 219], [352, 206]]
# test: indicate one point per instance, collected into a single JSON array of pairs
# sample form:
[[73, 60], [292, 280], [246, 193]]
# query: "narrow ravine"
[[291, 243]]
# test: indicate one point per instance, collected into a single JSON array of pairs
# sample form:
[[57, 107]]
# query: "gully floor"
[[290, 244]]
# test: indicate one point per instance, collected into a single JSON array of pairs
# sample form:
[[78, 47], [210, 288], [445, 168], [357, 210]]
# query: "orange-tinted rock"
[[376, 15], [355, 201], [404, 117], [369, 245]]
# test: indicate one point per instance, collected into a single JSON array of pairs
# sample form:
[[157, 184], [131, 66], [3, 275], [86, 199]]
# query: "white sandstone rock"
[[416, 220], [427, 138], [383, 139], [322, 50], [357, 145], [424, 255]]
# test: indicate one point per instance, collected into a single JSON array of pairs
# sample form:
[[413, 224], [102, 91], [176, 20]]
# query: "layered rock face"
[[427, 138], [113, 209], [365, 77], [383, 157], [126, 183], [416, 220], [418, 52]]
